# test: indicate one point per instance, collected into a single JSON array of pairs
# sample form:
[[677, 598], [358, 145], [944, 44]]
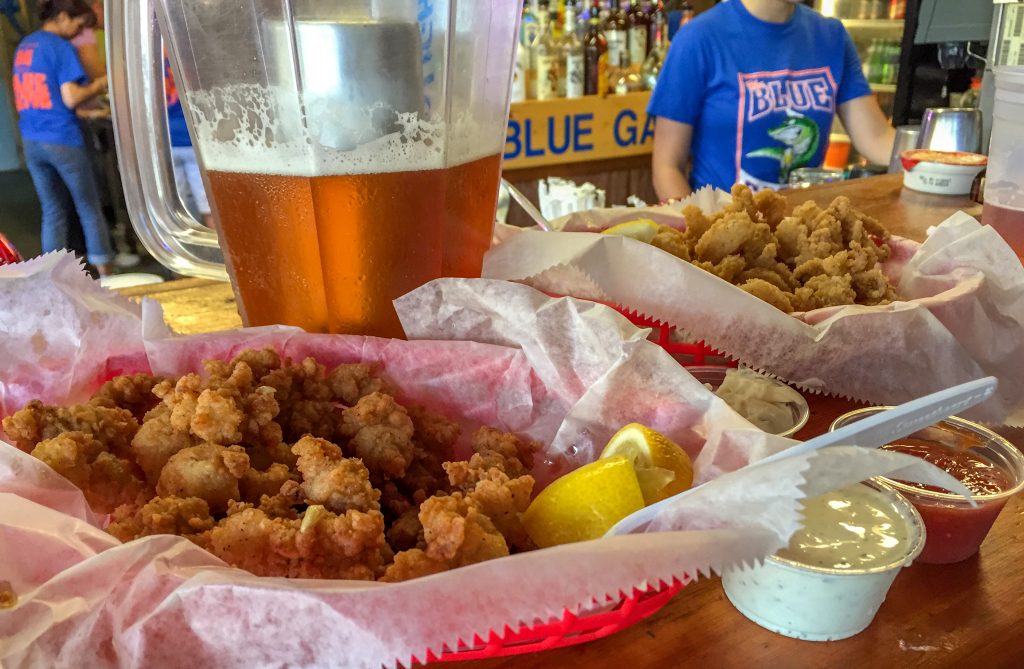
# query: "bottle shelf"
[[893, 25]]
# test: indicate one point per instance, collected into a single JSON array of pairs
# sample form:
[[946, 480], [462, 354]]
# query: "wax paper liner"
[[159, 601], [961, 316], [56, 343], [595, 220], [86, 598]]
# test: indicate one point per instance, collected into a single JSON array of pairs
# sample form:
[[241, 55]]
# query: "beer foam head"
[[260, 129]]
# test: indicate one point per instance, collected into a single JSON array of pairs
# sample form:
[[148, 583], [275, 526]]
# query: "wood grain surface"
[[969, 614], [904, 212], [193, 306], [951, 616]]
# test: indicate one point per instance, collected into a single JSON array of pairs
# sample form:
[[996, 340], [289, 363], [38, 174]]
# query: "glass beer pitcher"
[[351, 149]]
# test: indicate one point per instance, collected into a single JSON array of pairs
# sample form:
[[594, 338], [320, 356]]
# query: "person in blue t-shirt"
[[187, 177], [749, 92], [49, 83]]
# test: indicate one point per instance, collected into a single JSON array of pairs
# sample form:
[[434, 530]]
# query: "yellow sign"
[[557, 132]]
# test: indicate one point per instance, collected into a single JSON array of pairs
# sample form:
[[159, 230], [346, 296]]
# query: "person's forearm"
[[670, 182], [879, 150], [871, 132], [669, 159], [75, 95]]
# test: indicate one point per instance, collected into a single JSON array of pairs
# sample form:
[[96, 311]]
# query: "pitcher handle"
[[139, 114]]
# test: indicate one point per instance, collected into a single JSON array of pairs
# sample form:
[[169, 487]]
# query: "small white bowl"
[[820, 603], [941, 172], [713, 377]]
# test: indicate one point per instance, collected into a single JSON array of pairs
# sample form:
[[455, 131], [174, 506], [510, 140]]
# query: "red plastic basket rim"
[[698, 351], [571, 629]]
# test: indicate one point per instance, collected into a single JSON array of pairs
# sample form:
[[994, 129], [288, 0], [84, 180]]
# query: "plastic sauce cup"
[[713, 377], [802, 599], [955, 528]]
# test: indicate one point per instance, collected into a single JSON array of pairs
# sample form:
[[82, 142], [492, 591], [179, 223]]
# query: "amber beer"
[[383, 235], [470, 204], [268, 228], [1009, 223], [331, 253]]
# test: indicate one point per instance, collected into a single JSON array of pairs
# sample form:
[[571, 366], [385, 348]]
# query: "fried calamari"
[[288, 469], [810, 259]]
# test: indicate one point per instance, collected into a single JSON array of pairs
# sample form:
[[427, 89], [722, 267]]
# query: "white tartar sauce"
[[851, 528]]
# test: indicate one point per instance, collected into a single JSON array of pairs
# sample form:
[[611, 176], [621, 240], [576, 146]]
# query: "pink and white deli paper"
[[563, 371], [960, 315]]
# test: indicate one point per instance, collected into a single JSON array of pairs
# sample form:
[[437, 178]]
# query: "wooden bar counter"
[[962, 615]]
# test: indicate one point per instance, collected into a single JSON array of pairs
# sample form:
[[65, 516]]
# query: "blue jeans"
[[57, 170]]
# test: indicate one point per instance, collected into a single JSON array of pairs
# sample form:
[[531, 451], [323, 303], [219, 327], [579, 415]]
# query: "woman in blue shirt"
[[187, 177], [749, 92], [49, 83]]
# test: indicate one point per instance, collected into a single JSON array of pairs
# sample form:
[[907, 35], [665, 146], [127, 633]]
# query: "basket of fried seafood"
[[243, 460], [270, 497], [823, 297]]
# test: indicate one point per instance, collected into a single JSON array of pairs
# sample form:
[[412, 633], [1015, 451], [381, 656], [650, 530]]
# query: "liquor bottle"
[[659, 52], [582, 18], [530, 28], [687, 14], [639, 29], [616, 32], [627, 80], [595, 49], [547, 55], [658, 15], [528, 35], [573, 57], [519, 74]]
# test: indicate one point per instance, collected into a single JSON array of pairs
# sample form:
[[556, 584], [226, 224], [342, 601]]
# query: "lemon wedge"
[[584, 504], [643, 229], [663, 468]]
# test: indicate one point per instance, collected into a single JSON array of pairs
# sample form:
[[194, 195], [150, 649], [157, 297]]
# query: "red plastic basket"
[[569, 630], [688, 354], [8, 254]]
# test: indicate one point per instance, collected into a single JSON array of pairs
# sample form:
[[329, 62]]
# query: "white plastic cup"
[[941, 172], [1004, 180], [817, 603]]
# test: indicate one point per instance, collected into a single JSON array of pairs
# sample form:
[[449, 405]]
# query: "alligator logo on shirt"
[[800, 138]]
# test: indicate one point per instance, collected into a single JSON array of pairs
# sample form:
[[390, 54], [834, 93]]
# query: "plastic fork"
[[871, 432], [527, 206]]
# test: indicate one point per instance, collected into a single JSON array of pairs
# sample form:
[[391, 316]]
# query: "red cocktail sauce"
[[955, 530]]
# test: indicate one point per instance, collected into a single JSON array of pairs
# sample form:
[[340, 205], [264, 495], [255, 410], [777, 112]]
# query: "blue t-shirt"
[[175, 114], [43, 63], [760, 96]]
